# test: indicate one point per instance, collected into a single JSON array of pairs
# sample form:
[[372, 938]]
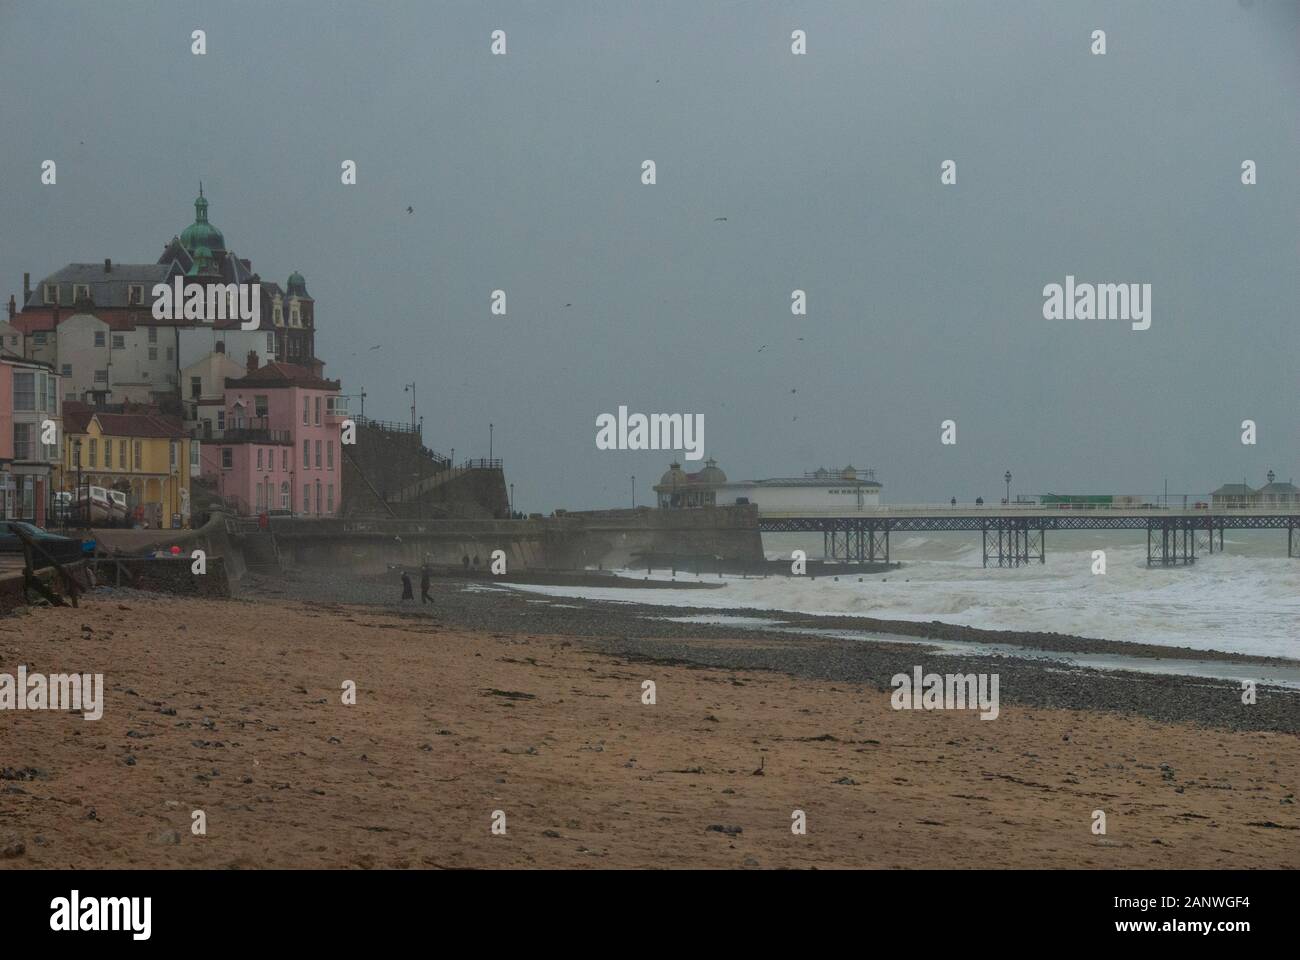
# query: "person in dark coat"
[[407, 594], [464, 562], [424, 586]]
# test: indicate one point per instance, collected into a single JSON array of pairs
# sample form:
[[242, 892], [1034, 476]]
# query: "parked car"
[[63, 549]]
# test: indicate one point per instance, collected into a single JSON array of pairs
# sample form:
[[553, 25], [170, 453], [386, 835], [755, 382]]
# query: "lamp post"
[[512, 501], [411, 388], [634, 491], [489, 443], [76, 497], [1007, 478]]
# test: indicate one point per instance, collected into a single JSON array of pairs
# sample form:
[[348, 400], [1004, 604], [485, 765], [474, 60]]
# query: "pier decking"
[[1016, 534]]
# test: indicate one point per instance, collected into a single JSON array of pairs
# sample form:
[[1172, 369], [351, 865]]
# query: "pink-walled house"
[[29, 397], [280, 452]]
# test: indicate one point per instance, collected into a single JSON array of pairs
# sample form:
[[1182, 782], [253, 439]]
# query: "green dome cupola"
[[200, 233], [297, 285]]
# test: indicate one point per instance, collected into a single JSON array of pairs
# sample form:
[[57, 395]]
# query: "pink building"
[[280, 452], [29, 402]]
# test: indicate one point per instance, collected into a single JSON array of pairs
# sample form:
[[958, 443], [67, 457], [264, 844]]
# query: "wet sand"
[[234, 708]]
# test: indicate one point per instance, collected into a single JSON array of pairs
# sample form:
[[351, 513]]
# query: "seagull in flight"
[[376, 346], [719, 219], [410, 209]]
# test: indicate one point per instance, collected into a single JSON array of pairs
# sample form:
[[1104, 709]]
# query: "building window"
[[153, 353], [153, 334], [108, 454], [80, 292], [66, 369], [259, 458], [318, 504], [329, 454], [306, 498], [171, 353], [139, 454], [195, 447], [329, 499], [221, 419], [227, 458], [270, 342], [318, 411], [261, 406], [51, 393], [38, 339], [119, 342], [24, 391], [196, 387], [318, 456], [121, 455], [94, 453], [306, 453], [101, 376], [284, 460], [135, 294], [99, 338], [295, 320], [306, 409], [51, 293], [174, 457], [284, 495], [23, 441]]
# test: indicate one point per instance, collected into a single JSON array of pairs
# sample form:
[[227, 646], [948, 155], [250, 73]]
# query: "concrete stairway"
[[260, 553]]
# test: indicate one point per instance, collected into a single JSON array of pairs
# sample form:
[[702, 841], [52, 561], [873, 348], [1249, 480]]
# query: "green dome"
[[203, 264], [297, 285], [200, 233]]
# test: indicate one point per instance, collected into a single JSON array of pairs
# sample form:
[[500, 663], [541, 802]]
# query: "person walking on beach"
[[407, 594], [476, 563], [424, 586], [464, 562]]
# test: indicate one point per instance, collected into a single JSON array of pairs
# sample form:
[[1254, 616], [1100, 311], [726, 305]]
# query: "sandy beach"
[[235, 708]]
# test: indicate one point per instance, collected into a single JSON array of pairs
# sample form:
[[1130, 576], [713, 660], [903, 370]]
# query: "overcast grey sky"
[[925, 301]]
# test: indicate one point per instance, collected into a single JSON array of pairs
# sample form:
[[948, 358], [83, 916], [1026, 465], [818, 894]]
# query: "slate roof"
[[107, 289]]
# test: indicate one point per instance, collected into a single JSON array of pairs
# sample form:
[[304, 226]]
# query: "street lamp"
[[634, 491], [76, 497], [411, 388], [512, 501], [1007, 478]]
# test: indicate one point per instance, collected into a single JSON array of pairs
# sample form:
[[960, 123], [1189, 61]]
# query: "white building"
[[203, 394]]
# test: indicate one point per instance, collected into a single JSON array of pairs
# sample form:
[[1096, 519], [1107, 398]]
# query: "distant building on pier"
[[847, 488]]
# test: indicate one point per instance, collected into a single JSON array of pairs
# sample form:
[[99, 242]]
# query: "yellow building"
[[146, 456]]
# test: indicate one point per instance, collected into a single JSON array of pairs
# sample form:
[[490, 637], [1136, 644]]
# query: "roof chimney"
[[27, 288], [252, 360], [108, 265]]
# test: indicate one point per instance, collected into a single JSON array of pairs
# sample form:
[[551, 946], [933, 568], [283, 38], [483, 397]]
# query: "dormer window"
[[295, 314], [80, 291], [51, 293], [277, 312], [135, 294]]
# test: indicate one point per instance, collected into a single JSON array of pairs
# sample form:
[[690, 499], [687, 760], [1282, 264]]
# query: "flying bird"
[[410, 209], [376, 346], [762, 348], [719, 219]]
